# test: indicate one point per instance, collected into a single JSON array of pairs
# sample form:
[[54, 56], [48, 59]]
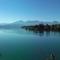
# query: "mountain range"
[[20, 23]]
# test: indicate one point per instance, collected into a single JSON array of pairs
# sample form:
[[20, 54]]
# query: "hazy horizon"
[[29, 21]]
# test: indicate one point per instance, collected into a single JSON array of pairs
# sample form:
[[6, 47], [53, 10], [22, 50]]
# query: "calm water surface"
[[19, 44]]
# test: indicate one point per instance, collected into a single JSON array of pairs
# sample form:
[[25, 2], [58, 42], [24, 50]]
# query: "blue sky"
[[42, 10]]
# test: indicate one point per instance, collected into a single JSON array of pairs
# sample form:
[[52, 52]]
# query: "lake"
[[19, 44]]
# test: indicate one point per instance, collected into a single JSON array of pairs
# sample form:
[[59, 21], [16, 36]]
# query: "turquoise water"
[[19, 44]]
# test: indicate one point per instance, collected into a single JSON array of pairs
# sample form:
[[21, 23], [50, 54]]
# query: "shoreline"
[[42, 27]]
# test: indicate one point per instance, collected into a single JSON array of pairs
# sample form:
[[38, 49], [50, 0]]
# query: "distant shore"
[[42, 27]]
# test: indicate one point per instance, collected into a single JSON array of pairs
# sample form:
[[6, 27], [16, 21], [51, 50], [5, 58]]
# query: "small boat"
[[51, 57]]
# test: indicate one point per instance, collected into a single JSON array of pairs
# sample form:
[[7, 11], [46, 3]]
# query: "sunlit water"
[[19, 44]]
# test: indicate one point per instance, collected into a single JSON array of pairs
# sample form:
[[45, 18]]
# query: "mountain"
[[20, 23]]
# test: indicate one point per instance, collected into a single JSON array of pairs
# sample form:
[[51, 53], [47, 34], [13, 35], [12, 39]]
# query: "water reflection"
[[48, 33], [44, 33], [41, 33]]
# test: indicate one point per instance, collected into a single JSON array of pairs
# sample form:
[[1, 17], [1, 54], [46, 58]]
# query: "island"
[[43, 27]]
